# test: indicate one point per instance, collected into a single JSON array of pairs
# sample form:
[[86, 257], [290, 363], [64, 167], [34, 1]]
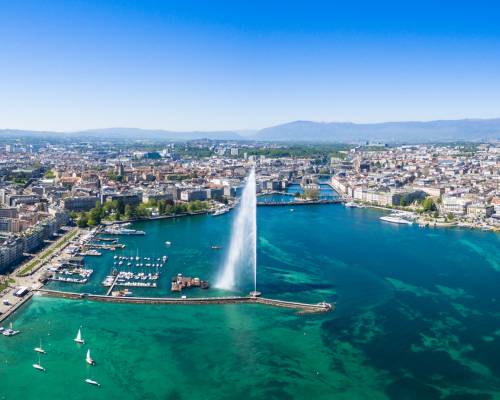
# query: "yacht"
[[92, 382], [78, 338], [168, 243], [89, 360], [221, 211], [40, 349], [38, 366], [10, 331], [396, 220], [352, 204]]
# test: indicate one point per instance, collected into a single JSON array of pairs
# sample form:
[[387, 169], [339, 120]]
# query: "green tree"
[[49, 174], [428, 204], [402, 202], [130, 212], [311, 194], [82, 220]]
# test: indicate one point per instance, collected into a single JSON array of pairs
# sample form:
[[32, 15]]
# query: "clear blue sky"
[[70, 65]]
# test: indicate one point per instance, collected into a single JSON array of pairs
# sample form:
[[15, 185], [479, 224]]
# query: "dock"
[[300, 307], [108, 293]]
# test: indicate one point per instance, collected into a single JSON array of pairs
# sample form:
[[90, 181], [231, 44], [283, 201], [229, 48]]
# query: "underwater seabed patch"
[[406, 287], [441, 340], [491, 254]]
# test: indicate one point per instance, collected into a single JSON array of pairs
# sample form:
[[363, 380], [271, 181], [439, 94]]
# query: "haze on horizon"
[[194, 65]]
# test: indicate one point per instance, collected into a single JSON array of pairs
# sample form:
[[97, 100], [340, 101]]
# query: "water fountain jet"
[[242, 255]]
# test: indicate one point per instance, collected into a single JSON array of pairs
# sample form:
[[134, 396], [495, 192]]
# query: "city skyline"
[[226, 66]]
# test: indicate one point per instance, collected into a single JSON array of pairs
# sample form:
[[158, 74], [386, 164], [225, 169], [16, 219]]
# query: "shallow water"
[[417, 317]]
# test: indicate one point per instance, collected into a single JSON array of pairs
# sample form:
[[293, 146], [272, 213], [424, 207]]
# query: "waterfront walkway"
[[301, 307]]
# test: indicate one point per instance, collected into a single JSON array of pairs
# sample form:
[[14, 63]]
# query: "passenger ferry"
[[124, 231]]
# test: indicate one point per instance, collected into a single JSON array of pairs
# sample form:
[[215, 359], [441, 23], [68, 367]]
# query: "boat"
[[38, 366], [220, 211], [89, 359], [124, 231], [168, 243], [396, 220], [216, 247], [40, 349], [92, 382], [10, 331], [78, 338], [352, 204]]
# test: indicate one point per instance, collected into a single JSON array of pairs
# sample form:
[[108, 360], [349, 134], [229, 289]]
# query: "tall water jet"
[[242, 256]]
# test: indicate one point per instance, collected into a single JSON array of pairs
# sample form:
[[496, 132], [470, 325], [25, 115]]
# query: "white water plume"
[[242, 256]]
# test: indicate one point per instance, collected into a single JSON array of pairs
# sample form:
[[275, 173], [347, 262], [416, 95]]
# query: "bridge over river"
[[298, 203], [301, 307]]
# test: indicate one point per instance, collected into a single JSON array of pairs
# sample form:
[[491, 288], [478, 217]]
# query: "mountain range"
[[310, 131]]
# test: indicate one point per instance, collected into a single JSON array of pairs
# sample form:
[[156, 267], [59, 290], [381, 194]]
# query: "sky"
[[231, 65]]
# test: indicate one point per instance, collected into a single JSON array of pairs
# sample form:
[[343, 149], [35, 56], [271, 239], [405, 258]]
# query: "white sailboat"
[[40, 349], [92, 382], [78, 338], [89, 359], [38, 366]]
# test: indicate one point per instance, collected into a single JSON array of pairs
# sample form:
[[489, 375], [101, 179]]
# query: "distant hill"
[[467, 129], [137, 133], [127, 133], [307, 131]]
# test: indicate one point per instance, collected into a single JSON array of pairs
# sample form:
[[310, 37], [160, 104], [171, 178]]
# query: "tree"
[[402, 202], [82, 220], [130, 212], [49, 174], [311, 194], [428, 204]]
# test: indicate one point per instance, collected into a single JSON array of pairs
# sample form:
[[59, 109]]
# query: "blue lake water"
[[418, 317]]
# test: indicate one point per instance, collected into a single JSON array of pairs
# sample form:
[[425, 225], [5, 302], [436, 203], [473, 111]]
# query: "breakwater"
[[302, 307]]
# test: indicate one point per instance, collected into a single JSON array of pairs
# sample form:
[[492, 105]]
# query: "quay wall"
[[18, 305]]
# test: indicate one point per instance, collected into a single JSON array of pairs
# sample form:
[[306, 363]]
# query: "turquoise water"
[[325, 193], [417, 317]]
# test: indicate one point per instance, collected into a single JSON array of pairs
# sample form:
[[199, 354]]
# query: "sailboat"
[[78, 338], [40, 349], [38, 366], [92, 382], [89, 359]]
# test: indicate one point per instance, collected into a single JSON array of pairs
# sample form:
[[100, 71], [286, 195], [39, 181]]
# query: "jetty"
[[301, 307]]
